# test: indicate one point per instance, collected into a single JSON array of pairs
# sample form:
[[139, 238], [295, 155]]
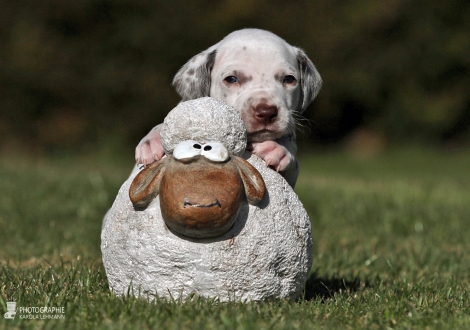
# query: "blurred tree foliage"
[[73, 73]]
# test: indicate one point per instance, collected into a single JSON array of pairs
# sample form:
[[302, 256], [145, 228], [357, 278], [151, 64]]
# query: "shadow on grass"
[[324, 288]]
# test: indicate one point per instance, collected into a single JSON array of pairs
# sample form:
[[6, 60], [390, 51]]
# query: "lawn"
[[391, 239]]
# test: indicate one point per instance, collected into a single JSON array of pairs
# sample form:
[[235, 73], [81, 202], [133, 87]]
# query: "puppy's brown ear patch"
[[255, 187], [146, 185]]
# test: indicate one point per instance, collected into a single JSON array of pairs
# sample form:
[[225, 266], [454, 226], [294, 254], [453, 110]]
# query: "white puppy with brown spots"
[[267, 80]]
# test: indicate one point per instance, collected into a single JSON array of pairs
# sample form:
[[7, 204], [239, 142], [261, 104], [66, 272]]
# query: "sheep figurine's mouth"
[[187, 202]]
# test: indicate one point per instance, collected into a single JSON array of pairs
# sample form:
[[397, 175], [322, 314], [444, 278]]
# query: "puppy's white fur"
[[264, 78]]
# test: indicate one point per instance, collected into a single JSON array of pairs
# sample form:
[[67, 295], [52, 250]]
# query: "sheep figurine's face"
[[201, 186]]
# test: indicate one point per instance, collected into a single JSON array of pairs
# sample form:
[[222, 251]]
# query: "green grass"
[[391, 247]]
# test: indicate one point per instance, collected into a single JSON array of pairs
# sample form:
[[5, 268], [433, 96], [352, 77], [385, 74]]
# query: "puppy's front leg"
[[150, 148], [280, 156]]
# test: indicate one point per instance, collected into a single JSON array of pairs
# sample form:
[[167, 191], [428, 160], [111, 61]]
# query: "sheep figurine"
[[209, 219]]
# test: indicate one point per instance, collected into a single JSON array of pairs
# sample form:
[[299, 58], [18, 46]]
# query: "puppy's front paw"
[[275, 155], [149, 149]]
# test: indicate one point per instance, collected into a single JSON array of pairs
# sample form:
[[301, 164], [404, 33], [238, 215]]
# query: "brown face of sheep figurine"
[[201, 188]]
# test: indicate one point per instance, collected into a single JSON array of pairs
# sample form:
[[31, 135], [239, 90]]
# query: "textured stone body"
[[266, 254]]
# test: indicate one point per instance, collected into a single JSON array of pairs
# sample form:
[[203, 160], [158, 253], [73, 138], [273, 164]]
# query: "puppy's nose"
[[265, 114]]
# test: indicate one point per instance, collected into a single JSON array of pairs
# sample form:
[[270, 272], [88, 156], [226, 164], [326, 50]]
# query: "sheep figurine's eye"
[[187, 149], [215, 151]]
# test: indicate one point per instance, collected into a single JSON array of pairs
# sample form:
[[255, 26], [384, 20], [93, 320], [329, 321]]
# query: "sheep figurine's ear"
[[146, 185], [255, 187]]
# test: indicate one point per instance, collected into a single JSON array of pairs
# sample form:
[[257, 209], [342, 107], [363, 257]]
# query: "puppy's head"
[[257, 73]]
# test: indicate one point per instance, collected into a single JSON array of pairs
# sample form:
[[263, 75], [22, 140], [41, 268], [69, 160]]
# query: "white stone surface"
[[266, 254], [205, 120]]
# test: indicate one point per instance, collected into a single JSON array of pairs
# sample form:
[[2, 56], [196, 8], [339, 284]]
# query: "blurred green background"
[[77, 75]]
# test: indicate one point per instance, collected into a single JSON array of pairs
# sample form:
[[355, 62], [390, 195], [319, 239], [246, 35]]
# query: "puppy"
[[269, 81]]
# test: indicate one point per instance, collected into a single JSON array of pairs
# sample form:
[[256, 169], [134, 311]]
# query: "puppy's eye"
[[231, 79], [289, 80], [215, 151], [187, 149]]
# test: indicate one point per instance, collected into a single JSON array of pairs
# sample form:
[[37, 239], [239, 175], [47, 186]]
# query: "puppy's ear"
[[252, 180], [310, 79], [193, 80], [146, 185]]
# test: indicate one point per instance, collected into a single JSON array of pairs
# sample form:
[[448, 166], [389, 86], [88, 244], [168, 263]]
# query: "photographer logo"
[[30, 313], [11, 310]]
